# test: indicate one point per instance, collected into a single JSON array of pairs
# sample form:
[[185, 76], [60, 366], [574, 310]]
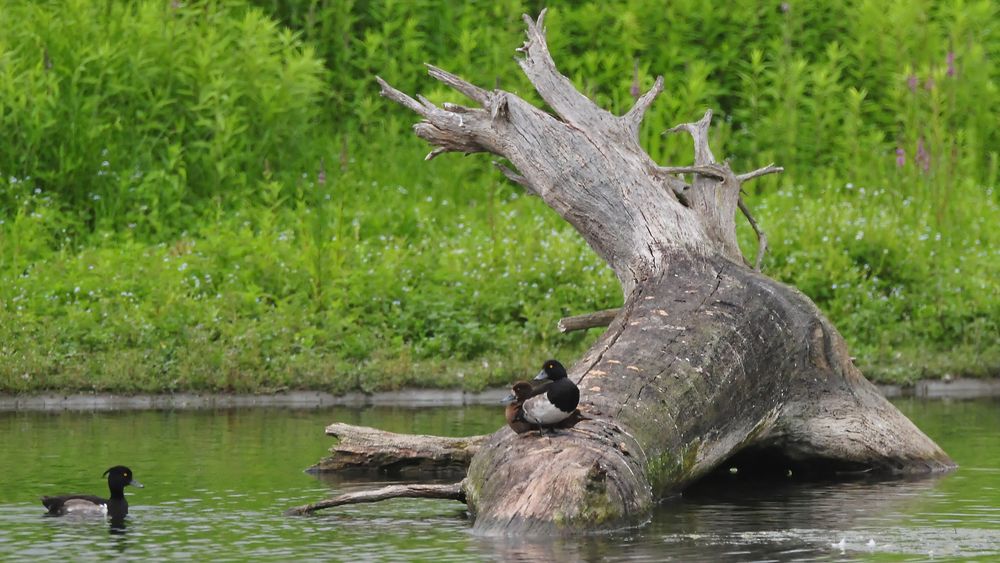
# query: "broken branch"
[[761, 237], [401, 98], [709, 170], [471, 91], [557, 90], [699, 132], [590, 320], [769, 169], [360, 447], [451, 491], [634, 116]]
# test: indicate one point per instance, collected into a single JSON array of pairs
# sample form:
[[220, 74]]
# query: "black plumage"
[[115, 507]]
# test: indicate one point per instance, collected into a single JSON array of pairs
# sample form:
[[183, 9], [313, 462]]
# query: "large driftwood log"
[[707, 362]]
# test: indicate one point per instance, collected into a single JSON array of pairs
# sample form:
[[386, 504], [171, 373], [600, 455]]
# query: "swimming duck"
[[116, 507], [556, 400]]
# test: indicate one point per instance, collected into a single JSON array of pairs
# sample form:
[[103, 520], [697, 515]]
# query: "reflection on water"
[[217, 482], [117, 526]]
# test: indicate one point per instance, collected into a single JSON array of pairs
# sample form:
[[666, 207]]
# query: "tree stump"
[[708, 361]]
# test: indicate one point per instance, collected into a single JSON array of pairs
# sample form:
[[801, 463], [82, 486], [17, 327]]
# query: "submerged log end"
[[590, 477], [849, 425], [864, 434]]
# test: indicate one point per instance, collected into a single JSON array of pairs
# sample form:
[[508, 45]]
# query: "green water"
[[218, 481]]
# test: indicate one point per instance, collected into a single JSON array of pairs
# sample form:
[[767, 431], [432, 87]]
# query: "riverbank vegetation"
[[212, 195]]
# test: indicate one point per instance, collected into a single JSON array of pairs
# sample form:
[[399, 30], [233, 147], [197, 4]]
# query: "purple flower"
[[900, 157], [929, 85], [912, 81], [785, 7], [950, 59], [321, 177], [923, 157]]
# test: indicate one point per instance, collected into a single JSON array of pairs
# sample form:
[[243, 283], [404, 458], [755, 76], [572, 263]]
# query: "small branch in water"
[[451, 491], [590, 320]]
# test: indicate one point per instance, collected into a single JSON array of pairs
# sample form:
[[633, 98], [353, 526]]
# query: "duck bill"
[[541, 376], [137, 484], [508, 399]]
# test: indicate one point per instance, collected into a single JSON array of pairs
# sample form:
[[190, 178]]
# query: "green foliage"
[[137, 115], [206, 195], [901, 288], [320, 289]]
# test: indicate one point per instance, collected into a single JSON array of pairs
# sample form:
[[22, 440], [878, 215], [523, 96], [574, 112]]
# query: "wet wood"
[[452, 491], [361, 447]]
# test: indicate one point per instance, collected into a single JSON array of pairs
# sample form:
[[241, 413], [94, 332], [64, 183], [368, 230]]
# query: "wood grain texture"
[[451, 491], [361, 447]]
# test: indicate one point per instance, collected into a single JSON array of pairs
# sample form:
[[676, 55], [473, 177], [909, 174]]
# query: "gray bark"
[[360, 447], [708, 360], [589, 320], [452, 491]]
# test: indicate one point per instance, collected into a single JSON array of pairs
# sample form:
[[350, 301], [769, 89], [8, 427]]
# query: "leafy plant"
[[210, 195]]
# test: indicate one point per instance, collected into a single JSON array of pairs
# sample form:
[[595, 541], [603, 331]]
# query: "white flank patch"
[[538, 410], [80, 506]]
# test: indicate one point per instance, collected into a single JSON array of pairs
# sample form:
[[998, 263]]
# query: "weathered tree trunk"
[[707, 362]]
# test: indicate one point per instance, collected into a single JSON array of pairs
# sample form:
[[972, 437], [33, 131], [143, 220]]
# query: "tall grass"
[[212, 195], [138, 115]]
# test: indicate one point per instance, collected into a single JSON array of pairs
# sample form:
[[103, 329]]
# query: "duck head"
[[551, 370], [119, 476], [520, 392]]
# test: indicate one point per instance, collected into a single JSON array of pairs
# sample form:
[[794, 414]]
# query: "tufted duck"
[[557, 399], [116, 507], [520, 392]]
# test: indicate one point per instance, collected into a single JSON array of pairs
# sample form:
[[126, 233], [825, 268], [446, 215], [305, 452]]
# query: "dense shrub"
[[212, 195], [139, 115], [824, 88]]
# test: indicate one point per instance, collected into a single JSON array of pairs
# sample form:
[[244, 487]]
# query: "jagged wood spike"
[[769, 169], [633, 118], [471, 91]]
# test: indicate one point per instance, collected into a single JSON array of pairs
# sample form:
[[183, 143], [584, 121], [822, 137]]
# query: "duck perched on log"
[[550, 403], [520, 392]]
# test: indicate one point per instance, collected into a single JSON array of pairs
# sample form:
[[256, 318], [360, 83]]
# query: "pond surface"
[[218, 481]]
